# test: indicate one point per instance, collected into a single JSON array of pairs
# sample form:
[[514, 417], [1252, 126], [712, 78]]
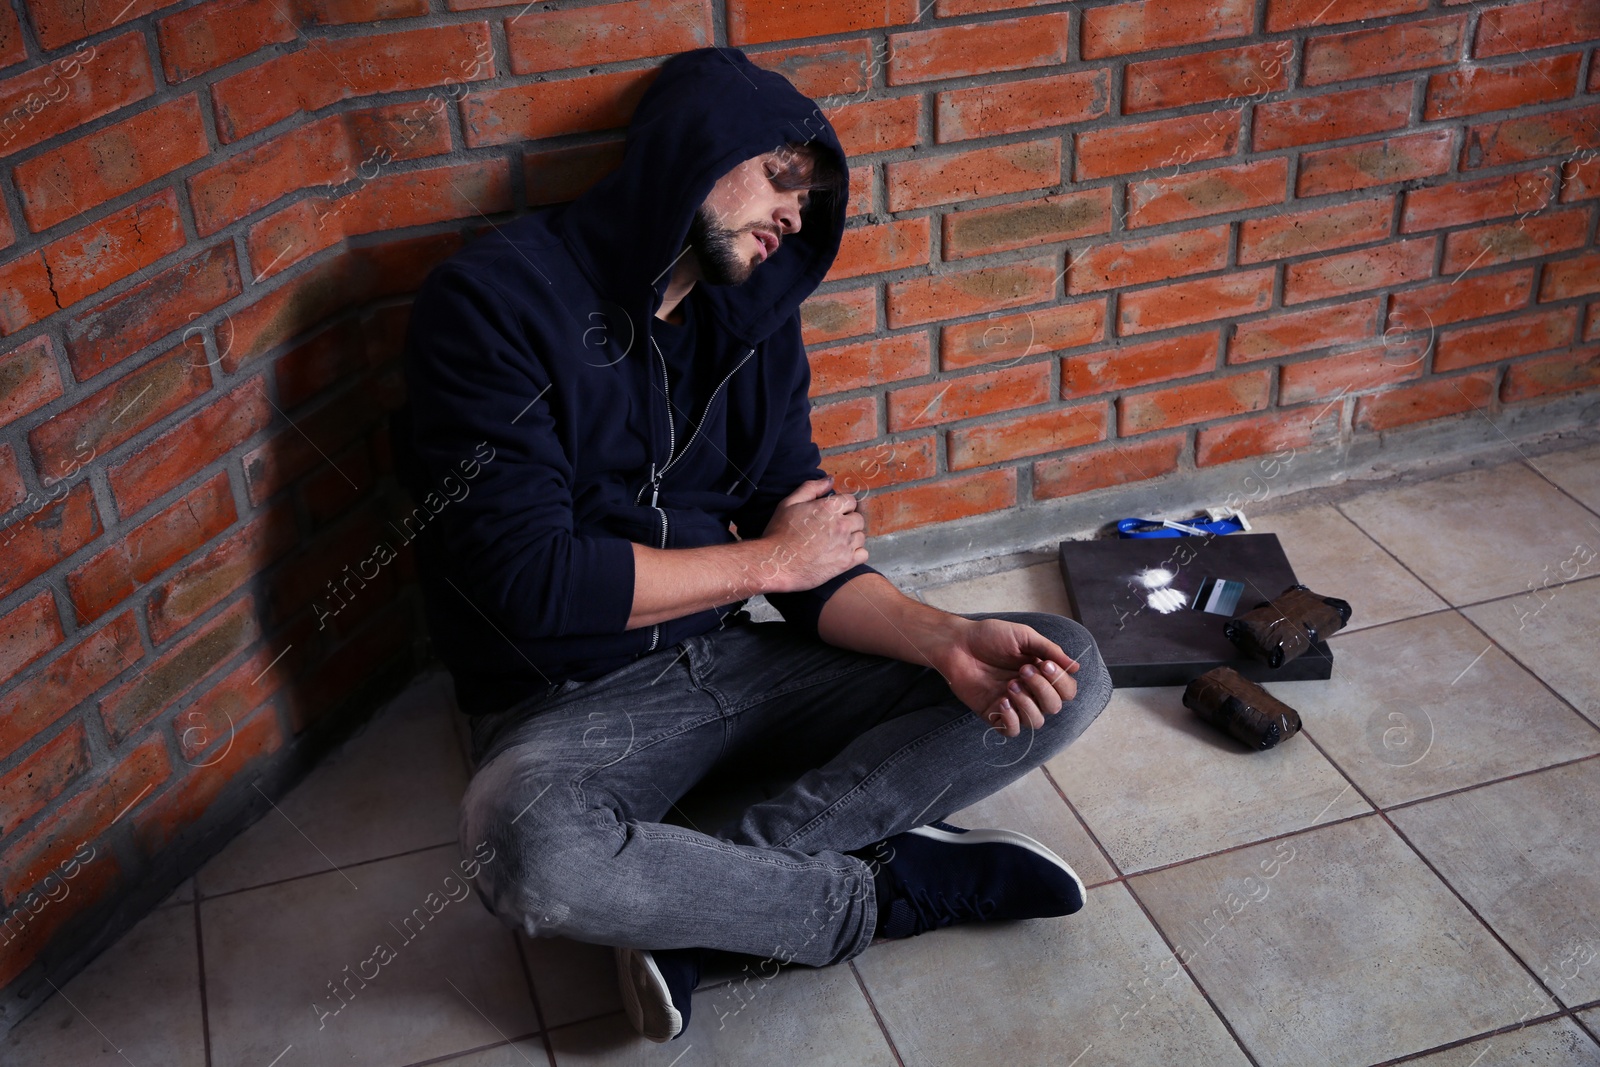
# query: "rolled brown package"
[[1279, 629], [1232, 703]]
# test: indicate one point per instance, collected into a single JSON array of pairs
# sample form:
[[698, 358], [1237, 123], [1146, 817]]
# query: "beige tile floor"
[[1412, 880]]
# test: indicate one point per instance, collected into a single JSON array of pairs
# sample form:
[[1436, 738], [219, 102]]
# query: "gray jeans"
[[570, 788]]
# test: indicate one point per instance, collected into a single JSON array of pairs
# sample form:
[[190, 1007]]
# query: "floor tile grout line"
[[200, 974], [1386, 549], [1111, 862], [1510, 1028], [1402, 805], [533, 994], [872, 1005], [1512, 656], [199, 898], [1171, 944], [446, 1057], [1558, 487]]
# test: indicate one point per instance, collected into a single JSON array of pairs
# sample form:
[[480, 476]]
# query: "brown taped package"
[[1234, 704], [1279, 629]]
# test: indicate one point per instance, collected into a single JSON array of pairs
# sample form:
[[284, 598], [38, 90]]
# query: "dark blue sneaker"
[[655, 989], [938, 875]]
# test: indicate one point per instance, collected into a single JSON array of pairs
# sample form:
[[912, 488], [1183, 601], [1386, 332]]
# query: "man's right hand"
[[811, 538]]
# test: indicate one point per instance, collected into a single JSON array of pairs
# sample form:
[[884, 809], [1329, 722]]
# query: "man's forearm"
[[669, 583], [868, 614]]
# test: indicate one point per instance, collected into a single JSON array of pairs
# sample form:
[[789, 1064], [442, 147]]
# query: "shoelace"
[[934, 911]]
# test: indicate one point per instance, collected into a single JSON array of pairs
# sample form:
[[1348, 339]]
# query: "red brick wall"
[[1091, 244]]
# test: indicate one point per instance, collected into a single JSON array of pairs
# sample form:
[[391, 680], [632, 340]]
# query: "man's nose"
[[787, 215]]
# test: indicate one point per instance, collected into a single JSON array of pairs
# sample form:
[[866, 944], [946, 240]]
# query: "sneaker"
[[655, 989], [938, 875]]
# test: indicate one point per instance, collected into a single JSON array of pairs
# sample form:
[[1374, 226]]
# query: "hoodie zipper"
[[673, 455]]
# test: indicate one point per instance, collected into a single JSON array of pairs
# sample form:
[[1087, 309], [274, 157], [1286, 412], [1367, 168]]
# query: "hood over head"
[[707, 111]]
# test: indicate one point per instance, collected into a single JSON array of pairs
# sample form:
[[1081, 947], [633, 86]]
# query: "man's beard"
[[716, 248]]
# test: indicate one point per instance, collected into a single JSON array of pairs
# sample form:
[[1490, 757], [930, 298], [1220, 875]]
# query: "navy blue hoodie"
[[536, 440]]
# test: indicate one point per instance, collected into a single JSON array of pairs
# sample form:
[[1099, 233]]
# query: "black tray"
[[1142, 646]]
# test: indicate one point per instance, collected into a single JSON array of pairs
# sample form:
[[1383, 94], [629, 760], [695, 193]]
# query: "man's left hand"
[[985, 658]]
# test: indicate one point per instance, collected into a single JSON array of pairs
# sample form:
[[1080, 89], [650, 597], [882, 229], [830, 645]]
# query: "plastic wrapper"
[[1280, 629], [1237, 706]]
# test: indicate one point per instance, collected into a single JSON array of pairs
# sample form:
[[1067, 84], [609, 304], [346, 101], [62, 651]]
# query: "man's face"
[[747, 214]]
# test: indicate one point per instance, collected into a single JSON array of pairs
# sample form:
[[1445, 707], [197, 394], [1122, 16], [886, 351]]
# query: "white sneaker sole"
[[645, 996], [1002, 837]]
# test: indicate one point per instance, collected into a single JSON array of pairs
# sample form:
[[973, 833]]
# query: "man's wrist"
[[761, 569]]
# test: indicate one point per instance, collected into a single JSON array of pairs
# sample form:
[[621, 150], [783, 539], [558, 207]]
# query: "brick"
[[1361, 166], [184, 803], [882, 247], [1389, 50], [209, 580], [8, 236], [1570, 278], [1225, 74], [1055, 430], [35, 543], [334, 150], [886, 463], [983, 48], [116, 413], [58, 24], [950, 8], [73, 90], [1580, 178], [82, 174], [388, 641], [330, 492], [271, 91], [547, 109], [12, 48], [107, 334], [29, 379], [1182, 405], [85, 262], [1118, 464], [42, 776], [837, 315], [1541, 24], [1130, 366], [1351, 272], [1332, 116], [316, 434], [1503, 242], [1524, 335], [971, 292], [335, 573], [215, 717], [968, 396], [820, 70], [197, 441], [175, 672], [1318, 230], [980, 172], [1027, 224], [559, 175], [1459, 203], [1473, 90], [1554, 374], [1356, 371], [853, 366], [1148, 259], [1123, 28], [1529, 137], [388, 202], [1457, 299], [1307, 427], [28, 632], [757, 22], [877, 125], [1012, 337], [137, 556], [861, 185], [1201, 300], [845, 423], [579, 37], [353, 277], [332, 356], [1289, 332], [1208, 192], [1433, 399], [1300, 14], [12, 490], [1591, 330], [1156, 145], [84, 817], [1026, 104], [96, 880], [204, 38], [30, 706], [950, 498]]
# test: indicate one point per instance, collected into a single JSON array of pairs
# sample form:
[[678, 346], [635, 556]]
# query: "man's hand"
[[811, 538], [986, 657]]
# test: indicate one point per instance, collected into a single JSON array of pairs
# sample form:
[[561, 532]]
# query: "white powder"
[[1154, 577]]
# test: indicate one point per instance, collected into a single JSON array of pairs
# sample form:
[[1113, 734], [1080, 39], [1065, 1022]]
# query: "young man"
[[608, 386]]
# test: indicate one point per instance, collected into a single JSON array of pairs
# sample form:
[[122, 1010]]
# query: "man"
[[614, 383]]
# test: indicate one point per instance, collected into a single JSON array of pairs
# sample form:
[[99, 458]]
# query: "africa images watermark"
[[52, 91]]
